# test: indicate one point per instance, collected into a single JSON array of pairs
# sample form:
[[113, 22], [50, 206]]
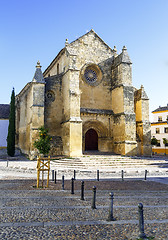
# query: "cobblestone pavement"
[[30, 213]]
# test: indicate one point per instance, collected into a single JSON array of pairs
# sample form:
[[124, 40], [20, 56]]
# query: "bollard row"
[[97, 177], [142, 234]]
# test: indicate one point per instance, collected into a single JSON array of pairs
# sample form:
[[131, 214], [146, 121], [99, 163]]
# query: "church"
[[87, 101]]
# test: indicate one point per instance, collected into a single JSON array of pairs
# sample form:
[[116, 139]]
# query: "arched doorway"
[[91, 140]]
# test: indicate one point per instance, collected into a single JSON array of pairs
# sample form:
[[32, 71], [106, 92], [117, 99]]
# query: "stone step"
[[92, 168], [73, 166], [108, 162]]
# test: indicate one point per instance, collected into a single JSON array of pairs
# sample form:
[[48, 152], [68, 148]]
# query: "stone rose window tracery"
[[91, 74]]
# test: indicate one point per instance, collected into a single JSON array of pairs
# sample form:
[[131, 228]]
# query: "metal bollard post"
[[141, 221], [145, 174], [97, 175], [110, 216], [122, 175], [7, 164], [55, 177], [52, 175], [72, 186], [63, 182], [94, 198], [82, 190], [74, 175]]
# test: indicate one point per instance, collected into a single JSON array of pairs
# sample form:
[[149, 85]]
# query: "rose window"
[[90, 75]]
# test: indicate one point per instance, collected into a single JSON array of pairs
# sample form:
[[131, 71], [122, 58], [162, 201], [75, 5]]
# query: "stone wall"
[[24, 102]]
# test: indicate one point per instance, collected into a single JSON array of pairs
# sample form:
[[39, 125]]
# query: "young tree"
[[43, 143], [11, 127]]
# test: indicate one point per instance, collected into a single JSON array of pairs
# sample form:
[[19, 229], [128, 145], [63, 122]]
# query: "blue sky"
[[33, 30]]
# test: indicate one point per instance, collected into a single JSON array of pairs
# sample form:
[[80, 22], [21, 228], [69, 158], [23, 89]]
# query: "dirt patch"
[[100, 185]]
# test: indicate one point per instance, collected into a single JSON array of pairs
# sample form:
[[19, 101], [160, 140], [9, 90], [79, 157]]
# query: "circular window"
[[50, 96], [91, 74]]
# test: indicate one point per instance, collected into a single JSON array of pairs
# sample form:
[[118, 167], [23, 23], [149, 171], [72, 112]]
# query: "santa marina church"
[[86, 99]]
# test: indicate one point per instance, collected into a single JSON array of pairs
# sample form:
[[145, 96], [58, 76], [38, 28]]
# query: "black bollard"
[[94, 198], [122, 175], [63, 182], [141, 221], [82, 190], [97, 175], [110, 216], [145, 174], [74, 175], [72, 186], [52, 175], [55, 177]]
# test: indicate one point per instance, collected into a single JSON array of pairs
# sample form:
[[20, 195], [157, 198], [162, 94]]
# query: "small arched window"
[[57, 68]]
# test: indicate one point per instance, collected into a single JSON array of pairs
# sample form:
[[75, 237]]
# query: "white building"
[[159, 129], [4, 122]]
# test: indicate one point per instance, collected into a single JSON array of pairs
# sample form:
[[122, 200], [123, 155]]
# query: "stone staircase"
[[109, 162]]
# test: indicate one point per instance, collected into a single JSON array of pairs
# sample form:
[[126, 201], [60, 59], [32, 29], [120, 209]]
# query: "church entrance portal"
[[91, 140]]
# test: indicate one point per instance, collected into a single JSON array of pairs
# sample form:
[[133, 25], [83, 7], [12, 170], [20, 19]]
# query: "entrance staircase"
[[109, 162]]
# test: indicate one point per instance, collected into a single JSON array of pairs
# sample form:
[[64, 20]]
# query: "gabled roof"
[[4, 111], [159, 109], [91, 31], [69, 45]]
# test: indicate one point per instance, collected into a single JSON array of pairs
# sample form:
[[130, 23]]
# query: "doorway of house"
[[91, 140]]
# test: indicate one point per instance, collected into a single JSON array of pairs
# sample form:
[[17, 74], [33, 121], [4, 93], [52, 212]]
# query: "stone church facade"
[[86, 99]]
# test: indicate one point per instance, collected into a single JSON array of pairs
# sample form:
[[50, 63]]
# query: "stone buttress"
[[124, 124], [143, 126]]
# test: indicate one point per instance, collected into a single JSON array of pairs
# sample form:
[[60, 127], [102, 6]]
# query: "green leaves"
[[43, 143]]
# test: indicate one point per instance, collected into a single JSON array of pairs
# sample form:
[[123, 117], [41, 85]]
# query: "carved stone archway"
[[98, 134]]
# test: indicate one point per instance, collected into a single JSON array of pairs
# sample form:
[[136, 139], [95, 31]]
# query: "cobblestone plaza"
[[29, 213]]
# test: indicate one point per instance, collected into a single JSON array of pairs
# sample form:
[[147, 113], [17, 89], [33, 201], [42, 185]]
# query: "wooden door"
[[91, 140]]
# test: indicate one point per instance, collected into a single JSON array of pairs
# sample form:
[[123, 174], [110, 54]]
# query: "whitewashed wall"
[[3, 132], [164, 116], [161, 127]]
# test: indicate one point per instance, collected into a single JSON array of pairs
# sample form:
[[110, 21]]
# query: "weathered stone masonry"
[[86, 99]]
